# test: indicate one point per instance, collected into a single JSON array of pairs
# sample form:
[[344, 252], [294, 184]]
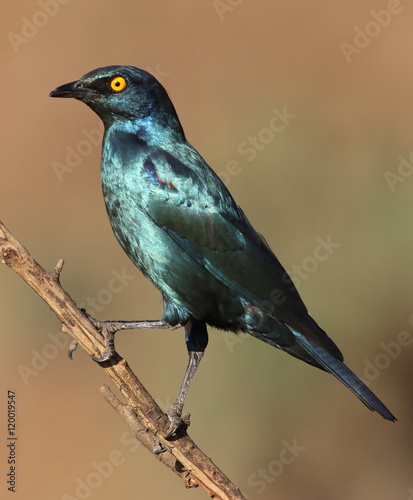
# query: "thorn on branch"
[[58, 269]]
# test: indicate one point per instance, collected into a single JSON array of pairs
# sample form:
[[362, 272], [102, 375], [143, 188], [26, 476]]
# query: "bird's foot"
[[72, 348], [110, 326], [157, 448], [108, 329], [109, 340], [178, 421]]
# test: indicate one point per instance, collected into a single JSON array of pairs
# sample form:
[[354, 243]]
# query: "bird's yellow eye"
[[118, 84]]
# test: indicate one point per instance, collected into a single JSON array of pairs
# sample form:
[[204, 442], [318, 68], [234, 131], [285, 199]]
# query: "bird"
[[178, 223]]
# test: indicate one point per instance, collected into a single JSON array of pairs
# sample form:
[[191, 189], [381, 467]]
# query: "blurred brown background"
[[343, 73]]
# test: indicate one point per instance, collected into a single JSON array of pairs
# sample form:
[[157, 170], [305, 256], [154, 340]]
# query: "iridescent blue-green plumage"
[[179, 224]]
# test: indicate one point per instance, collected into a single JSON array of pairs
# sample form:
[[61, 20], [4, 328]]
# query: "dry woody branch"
[[147, 421]]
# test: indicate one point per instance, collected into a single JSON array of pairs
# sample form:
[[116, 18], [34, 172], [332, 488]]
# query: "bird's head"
[[121, 93]]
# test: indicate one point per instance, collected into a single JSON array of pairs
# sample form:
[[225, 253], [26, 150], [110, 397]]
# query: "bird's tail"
[[345, 375]]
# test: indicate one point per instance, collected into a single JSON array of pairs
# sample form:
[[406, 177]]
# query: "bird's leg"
[[109, 328], [196, 337], [175, 411]]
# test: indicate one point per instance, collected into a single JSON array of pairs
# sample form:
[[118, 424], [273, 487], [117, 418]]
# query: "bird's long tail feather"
[[345, 375]]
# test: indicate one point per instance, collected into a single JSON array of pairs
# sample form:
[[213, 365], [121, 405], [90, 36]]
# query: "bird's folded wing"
[[218, 237], [198, 213]]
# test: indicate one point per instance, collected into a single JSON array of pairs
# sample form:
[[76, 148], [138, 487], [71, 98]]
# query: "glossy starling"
[[180, 226]]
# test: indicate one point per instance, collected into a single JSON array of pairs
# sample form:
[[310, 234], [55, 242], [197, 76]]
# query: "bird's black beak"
[[72, 89]]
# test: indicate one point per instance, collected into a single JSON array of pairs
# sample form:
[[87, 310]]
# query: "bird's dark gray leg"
[[109, 328], [196, 337]]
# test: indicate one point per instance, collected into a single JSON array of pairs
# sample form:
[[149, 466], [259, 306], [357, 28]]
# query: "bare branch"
[[147, 421]]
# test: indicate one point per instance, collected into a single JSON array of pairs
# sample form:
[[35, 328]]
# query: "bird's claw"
[[72, 348], [99, 325], [105, 357], [109, 351], [157, 448], [176, 419], [108, 334]]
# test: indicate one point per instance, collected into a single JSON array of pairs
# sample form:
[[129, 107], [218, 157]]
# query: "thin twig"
[[140, 412]]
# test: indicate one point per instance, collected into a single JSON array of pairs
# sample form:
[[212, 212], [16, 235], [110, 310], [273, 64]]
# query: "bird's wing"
[[199, 214]]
